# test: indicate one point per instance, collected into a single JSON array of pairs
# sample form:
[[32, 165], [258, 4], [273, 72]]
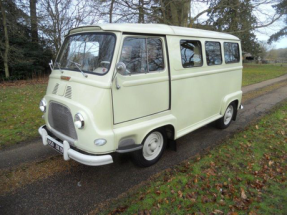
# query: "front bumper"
[[68, 153]]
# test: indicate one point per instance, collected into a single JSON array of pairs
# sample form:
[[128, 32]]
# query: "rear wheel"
[[153, 148], [225, 121]]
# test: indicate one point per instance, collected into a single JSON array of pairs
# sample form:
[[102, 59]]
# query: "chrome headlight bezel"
[[43, 105], [79, 121]]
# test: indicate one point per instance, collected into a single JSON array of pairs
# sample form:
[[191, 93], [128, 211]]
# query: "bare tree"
[[34, 22], [59, 16], [7, 46]]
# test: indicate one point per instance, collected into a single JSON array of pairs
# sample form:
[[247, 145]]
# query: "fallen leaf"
[[270, 163], [243, 195], [256, 126], [193, 200], [217, 212], [222, 202]]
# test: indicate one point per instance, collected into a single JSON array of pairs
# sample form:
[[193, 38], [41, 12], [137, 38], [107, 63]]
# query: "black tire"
[[142, 158], [223, 123]]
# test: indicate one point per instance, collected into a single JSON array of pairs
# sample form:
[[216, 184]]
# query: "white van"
[[135, 88]]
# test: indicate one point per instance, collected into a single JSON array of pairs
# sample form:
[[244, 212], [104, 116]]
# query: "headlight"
[[43, 105], [79, 121]]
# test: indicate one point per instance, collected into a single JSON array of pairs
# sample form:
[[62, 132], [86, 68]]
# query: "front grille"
[[60, 119]]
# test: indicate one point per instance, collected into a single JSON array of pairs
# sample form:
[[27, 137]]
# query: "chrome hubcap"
[[228, 115], [153, 145]]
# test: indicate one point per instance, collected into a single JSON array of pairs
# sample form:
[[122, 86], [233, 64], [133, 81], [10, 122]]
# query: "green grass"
[[244, 175], [254, 73], [20, 116]]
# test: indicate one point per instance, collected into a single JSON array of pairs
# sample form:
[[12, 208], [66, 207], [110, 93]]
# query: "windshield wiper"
[[78, 66], [59, 65]]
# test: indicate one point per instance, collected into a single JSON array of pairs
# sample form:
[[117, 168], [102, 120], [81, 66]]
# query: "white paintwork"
[[154, 29], [184, 98]]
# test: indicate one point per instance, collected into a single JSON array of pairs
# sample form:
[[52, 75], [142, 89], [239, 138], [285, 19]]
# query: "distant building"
[[247, 56]]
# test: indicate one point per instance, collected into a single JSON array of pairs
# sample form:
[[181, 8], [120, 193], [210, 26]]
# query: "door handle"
[[117, 84]]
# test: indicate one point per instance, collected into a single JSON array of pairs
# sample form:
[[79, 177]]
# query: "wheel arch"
[[234, 97], [168, 129]]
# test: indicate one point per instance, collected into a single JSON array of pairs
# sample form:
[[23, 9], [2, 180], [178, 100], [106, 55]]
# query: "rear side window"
[[142, 55], [191, 55], [213, 53], [231, 52]]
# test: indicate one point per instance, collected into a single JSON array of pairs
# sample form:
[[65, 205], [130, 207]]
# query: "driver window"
[[134, 55], [142, 55]]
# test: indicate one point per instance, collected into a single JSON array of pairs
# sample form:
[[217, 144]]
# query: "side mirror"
[[121, 68], [51, 65]]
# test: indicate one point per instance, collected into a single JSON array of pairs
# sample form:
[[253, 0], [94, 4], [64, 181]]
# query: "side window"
[[213, 53], [155, 55], [231, 52], [142, 55], [134, 55], [190, 53]]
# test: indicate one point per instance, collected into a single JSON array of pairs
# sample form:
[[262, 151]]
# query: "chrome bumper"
[[68, 153]]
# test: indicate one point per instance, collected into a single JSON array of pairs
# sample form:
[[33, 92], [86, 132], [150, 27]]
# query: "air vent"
[[68, 93], [55, 89]]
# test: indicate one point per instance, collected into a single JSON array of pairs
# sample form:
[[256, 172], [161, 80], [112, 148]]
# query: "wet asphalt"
[[84, 188]]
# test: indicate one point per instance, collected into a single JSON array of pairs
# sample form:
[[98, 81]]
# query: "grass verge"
[[255, 73], [244, 175], [20, 116]]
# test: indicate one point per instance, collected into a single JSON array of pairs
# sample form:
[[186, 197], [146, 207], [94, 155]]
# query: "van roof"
[[155, 29]]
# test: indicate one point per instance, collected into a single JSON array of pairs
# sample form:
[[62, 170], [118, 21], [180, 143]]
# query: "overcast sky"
[[264, 33]]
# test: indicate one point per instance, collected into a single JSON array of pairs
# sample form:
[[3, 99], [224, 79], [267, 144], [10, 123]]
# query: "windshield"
[[91, 53]]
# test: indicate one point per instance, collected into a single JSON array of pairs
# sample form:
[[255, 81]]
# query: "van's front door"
[[143, 88]]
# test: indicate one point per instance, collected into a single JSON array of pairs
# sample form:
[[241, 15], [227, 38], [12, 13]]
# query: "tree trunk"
[[111, 11], [7, 47], [141, 11], [175, 12], [34, 23]]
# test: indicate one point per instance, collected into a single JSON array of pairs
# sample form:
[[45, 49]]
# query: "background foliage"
[[32, 31]]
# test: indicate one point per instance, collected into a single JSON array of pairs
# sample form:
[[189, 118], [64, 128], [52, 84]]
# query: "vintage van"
[[135, 88]]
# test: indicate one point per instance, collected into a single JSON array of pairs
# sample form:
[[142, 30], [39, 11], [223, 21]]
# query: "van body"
[[134, 88]]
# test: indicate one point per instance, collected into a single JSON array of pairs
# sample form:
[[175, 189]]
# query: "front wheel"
[[225, 121], [153, 148]]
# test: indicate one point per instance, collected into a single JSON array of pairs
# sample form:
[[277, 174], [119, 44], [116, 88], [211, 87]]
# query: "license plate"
[[55, 146]]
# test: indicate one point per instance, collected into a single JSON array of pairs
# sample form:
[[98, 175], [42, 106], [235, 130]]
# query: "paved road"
[[60, 194], [36, 151]]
